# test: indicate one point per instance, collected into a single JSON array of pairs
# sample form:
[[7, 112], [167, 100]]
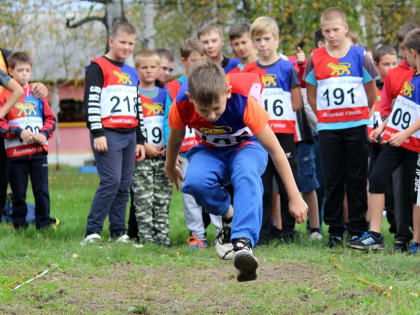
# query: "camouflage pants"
[[152, 192]]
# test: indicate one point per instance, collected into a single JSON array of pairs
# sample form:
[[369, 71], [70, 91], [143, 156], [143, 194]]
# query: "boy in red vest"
[[114, 117], [26, 128]]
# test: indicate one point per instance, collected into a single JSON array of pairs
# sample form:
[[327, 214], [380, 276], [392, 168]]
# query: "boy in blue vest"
[[26, 128], [341, 90], [114, 117], [151, 189], [234, 136]]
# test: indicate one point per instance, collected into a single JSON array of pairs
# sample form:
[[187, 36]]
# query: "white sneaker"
[[245, 261], [94, 238], [121, 239], [222, 244], [316, 236]]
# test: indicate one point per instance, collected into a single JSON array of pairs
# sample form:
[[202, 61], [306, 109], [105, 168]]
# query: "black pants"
[[403, 206], [19, 170], [288, 221], [344, 158], [3, 176]]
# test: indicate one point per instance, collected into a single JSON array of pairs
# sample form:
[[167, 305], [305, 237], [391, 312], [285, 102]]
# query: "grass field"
[[300, 278]]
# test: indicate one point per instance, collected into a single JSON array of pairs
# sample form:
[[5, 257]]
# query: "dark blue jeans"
[[37, 168], [115, 170]]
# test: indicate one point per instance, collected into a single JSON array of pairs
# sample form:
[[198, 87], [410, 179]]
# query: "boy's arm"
[[370, 89], [311, 95], [297, 206], [176, 136], [48, 126], [16, 94]]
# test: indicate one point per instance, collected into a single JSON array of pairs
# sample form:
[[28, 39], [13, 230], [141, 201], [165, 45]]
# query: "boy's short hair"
[[206, 28], [318, 37], [382, 51], [238, 30], [354, 37], [165, 53], [412, 40], [18, 57], [146, 53], [264, 24], [206, 82], [122, 26], [190, 45], [404, 30], [332, 14]]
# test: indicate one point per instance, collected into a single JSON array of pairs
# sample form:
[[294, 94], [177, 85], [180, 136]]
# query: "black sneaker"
[[244, 260], [368, 241], [334, 240], [400, 246], [222, 244], [276, 233]]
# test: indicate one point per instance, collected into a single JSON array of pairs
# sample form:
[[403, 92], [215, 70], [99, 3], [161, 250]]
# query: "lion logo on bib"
[[407, 89], [217, 130], [25, 109], [339, 69], [123, 78], [153, 109], [269, 80]]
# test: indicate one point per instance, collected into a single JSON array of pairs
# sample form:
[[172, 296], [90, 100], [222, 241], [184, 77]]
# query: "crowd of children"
[[258, 142]]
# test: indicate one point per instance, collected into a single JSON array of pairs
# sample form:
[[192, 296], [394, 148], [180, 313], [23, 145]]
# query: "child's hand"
[[300, 56], [375, 134], [39, 90], [174, 175], [397, 138], [179, 161], [27, 136], [140, 153], [100, 144], [151, 150], [39, 138], [298, 209]]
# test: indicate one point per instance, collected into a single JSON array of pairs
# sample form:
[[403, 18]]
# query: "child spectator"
[[341, 89], [211, 36], [166, 66], [393, 84], [151, 189], [234, 136], [192, 51], [26, 128], [281, 97], [401, 133], [241, 43], [114, 118]]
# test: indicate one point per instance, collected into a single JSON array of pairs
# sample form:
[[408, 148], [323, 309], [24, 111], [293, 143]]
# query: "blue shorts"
[[306, 175]]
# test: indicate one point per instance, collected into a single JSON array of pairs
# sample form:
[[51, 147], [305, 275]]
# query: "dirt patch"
[[169, 289]]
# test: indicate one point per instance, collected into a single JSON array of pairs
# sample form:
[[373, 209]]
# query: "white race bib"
[[153, 126], [119, 100]]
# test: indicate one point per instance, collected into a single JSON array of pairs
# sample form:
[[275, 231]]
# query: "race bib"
[[189, 141], [216, 138], [404, 113], [278, 104], [341, 99], [119, 100], [153, 126]]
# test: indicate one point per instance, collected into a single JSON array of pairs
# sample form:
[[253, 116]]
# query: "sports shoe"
[[400, 246], [55, 224], [368, 241], [93, 238], [353, 237], [334, 240], [124, 238], [222, 244], [316, 236], [414, 248], [244, 261], [195, 241]]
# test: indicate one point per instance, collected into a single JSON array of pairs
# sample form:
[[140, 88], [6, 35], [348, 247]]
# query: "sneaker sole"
[[247, 265], [367, 248]]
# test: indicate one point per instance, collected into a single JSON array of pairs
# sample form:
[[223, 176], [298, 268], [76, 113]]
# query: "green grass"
[[293, 279]]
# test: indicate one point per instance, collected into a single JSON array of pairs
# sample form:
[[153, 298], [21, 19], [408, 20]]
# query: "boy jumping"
[[233, 130]]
